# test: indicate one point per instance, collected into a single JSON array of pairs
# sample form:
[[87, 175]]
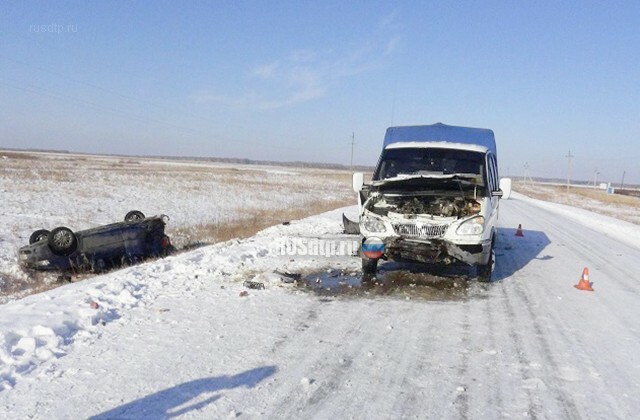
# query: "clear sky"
[[292, 80]]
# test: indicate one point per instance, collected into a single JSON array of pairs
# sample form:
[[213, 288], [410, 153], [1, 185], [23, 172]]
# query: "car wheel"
[[38, 235], [134, 216], [62, 241]]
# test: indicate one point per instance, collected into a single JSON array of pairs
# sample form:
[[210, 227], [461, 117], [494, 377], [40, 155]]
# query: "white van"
[[434, 198]]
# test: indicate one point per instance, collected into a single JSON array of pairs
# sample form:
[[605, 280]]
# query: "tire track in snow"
[[398, 388], [512, 289], [580, 240], [292, 399], [495, 398], [566, 331], [586, 250], [563, 398], [533, 407], [389, 355], [309, 315], [572, 343], [462, 399], [411, 404], [376, 345]]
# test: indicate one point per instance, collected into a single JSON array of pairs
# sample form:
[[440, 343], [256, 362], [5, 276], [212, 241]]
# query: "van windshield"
[[428, 161]]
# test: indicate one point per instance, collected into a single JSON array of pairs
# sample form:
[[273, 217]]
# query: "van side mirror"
[[505, 187], [358, 181]]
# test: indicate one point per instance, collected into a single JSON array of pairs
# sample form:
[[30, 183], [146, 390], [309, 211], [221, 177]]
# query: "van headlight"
[[474, 226], [373, 224]]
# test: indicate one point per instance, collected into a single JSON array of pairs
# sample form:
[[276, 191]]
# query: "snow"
[[39, 332], [82, 192], [177, 337], [174, 337], [621, 230], [585, 197]]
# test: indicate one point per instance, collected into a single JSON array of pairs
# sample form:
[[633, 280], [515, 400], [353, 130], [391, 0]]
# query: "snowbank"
[[46, 326]]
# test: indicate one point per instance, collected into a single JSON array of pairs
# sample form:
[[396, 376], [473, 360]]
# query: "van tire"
[[369, 265], [486, 270]]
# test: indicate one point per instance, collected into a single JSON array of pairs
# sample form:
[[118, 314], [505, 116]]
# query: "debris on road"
[[253, 285], [350, 227]]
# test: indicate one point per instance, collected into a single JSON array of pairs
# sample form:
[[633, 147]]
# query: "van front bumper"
[[436, 251]]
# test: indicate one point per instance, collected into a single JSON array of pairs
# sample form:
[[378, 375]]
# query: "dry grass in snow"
[[207, 202]]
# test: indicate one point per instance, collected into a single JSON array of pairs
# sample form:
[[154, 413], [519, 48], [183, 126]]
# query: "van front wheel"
[[369, 265], [485, 270]]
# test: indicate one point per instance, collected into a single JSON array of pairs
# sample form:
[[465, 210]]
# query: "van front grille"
[[420, 231]]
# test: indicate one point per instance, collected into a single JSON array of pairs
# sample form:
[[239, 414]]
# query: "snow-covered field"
[[46, 190], [179, 337], [597, 200]]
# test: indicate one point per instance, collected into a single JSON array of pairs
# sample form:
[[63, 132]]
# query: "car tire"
[[134, 216], [62, 241], [38, 235]]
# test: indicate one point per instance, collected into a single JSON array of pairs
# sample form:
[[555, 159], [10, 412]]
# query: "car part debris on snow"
[[288, 277], [350, 227], [253, 285]]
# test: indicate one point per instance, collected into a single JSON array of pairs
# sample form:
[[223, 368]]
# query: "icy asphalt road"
[[178, 340]]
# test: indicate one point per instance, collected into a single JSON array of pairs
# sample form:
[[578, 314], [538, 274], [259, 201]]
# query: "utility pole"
[[353, 140], [526, 175], [595, 178], [569, 157], [622, 183]]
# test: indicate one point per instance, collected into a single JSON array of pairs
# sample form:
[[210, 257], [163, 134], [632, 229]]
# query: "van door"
[[493, 184]]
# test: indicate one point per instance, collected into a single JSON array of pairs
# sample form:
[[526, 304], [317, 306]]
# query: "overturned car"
[[136, 238], [434, 198]]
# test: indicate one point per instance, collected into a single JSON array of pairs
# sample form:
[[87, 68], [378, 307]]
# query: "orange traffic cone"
[[584, 283], [519, 231]]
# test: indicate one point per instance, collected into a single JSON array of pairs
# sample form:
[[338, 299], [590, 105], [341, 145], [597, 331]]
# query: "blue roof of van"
[[441, 133]]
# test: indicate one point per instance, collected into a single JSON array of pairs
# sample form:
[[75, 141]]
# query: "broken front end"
[[430, 225]]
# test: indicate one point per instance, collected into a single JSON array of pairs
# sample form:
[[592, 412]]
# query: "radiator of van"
[[424, 231]]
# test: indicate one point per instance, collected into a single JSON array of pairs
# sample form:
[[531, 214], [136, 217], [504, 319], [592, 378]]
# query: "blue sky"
[[285, 80]]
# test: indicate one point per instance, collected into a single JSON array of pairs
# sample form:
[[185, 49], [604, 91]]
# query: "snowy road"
[[178, 340]]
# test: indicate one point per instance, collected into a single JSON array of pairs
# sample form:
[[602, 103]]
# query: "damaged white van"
[[433, 198]]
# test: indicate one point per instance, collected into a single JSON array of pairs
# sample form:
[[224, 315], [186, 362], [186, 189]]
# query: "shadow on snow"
[[513, 253], [181, 399]]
